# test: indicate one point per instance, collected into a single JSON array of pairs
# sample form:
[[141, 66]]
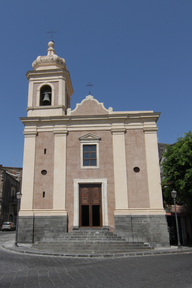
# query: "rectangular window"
[[89, 155]]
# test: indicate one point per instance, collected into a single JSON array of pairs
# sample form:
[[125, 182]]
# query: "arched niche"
[[45, 95]]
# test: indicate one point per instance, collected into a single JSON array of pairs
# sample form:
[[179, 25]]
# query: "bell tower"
[[50, 87], [43, 206]]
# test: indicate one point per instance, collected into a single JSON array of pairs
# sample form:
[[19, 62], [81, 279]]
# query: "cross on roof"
[[51, 32], [89, 87]]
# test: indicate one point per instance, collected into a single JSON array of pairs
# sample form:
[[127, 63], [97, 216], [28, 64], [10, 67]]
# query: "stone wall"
[[39, 229], [143, 228]]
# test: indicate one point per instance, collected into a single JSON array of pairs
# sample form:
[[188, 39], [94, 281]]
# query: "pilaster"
[[153, 169], [62, 89], [120, 177], [59, 185], [28, 173], [30, 95]]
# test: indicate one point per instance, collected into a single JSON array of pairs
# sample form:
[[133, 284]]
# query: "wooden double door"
[[90, 205]]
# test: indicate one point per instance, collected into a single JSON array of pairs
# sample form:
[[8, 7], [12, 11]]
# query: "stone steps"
[[92, 244], [86, 237], [90, 241], [98, 248]]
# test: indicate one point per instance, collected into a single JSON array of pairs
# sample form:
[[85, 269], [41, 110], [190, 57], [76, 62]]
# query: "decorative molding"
[[86, 142], [89, 139], [45, 107], [42, 212], [103, 182], [60, 132], [68, 111], [89, 136], [140, 211], [30, 133], [150, 129], [110, 110], [118, 130]]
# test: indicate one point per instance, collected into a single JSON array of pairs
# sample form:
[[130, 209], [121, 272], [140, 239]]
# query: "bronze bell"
[[46, 99]]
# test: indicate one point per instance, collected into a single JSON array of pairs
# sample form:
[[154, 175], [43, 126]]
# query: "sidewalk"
[[9, 244]]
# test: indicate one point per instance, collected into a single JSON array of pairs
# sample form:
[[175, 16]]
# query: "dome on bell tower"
[[50, 61]]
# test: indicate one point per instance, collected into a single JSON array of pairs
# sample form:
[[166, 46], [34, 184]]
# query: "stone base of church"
[[152, 229], [32, 229]]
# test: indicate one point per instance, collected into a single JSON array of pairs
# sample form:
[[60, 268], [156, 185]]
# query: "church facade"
[[88, 167]]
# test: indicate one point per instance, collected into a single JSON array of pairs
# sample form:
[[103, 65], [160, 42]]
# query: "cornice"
[[110, 122], [128, 116], [60, 132], [118, 130], [45, 107], [150, 129], [30, 133], [46, 73]]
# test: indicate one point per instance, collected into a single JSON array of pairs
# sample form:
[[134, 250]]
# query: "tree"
[[177, 170]]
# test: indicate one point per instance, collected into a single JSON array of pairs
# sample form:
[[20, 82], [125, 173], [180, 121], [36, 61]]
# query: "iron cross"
[[89, 87], [51, 32]]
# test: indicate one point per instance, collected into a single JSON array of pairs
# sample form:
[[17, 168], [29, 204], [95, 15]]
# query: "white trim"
[[103, 182], [88, 142]]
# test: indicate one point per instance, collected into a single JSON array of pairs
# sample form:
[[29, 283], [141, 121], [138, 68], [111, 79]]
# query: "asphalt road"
[[165, 271]]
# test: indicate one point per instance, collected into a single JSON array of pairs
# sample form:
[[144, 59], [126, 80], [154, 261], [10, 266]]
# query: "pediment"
[[90, 106], [89, 137]]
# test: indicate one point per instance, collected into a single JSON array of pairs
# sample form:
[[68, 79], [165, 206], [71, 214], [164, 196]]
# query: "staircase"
[[92, 241]]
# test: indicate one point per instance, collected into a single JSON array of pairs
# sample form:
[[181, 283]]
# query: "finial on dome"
[[51, 50]]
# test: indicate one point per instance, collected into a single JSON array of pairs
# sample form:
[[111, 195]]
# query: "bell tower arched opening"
[[45, 95]]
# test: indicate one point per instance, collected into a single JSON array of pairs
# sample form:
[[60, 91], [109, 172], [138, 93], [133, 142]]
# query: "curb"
[[116, 255]]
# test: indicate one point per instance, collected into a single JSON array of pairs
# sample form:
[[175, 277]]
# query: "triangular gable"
[[89, 136]]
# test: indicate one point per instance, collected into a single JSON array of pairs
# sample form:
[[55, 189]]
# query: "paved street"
[[20, 270]]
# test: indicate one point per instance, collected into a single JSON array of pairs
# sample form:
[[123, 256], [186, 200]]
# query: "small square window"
[[89, 155]]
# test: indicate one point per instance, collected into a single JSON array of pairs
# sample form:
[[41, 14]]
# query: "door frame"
[[90, 204], [103, 182]]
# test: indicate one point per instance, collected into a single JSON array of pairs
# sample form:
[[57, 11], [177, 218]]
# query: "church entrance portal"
[[90, 205]]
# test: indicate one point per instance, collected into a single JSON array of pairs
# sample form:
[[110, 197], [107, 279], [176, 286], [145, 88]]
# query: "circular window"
[[136, 169], [43, 172]]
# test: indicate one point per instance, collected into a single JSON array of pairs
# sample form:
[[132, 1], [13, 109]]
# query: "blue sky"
[[137, 53]]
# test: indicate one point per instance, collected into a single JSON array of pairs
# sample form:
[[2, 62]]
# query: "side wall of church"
[[105, 170]]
